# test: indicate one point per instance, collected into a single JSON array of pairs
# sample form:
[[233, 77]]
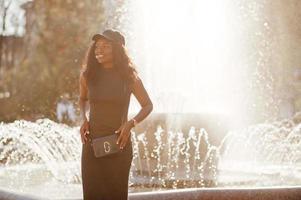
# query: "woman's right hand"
[[84, 131]]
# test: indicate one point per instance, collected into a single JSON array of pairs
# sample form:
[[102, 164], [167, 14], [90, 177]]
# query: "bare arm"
[[146, 107], [83, 98], [144, 100]]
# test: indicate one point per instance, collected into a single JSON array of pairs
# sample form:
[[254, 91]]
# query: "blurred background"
[[215, 57], [42, 46]]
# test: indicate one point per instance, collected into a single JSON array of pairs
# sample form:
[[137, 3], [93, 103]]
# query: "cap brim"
[[99, 36]]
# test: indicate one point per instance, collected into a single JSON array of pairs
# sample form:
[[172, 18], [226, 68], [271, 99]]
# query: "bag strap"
[[126, 103], [125, 107]]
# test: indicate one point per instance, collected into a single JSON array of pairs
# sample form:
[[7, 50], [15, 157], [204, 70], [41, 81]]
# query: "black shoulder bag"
[[106, 145]]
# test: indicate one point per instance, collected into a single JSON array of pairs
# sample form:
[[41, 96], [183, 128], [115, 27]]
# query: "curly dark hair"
[[121, 61]]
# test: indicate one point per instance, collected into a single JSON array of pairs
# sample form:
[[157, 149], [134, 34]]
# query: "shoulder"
[[134, 81], [135, 77]]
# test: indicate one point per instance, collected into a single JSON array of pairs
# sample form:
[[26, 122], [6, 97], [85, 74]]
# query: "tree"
[[61, 33]]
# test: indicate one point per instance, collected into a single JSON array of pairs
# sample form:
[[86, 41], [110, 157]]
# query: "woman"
[[107, 70]]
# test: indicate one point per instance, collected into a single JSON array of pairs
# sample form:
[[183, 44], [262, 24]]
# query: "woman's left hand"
[[125, 132]]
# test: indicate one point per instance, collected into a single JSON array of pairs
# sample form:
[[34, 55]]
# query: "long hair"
[[121, 61]]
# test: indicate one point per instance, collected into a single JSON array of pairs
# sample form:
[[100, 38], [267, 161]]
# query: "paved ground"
[[276, 193]]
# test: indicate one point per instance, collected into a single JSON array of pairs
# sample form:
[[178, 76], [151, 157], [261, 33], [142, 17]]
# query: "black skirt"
[[106, 178]]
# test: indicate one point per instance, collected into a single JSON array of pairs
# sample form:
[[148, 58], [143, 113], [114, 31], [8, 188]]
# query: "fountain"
[[38, 156]]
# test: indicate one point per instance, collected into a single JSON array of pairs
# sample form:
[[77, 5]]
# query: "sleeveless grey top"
[[109, 101]]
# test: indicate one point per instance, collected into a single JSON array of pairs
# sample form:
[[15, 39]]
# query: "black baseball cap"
[[111, 35]]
